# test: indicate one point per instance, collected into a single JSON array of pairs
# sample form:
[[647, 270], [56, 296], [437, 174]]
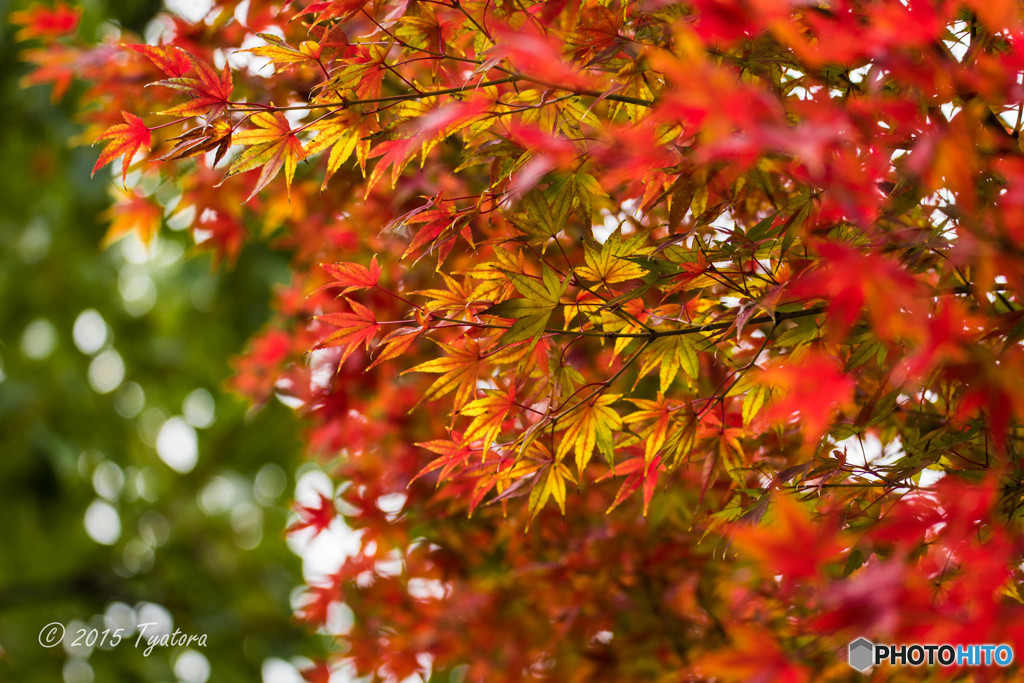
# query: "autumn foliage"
[[666, 318]]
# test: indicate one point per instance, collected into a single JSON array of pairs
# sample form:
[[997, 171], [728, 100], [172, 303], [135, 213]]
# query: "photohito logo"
[[862, 654]]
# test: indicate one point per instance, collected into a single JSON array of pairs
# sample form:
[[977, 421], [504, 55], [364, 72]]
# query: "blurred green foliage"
[[207, 545]]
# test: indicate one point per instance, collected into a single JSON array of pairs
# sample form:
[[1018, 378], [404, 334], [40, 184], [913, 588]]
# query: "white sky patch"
[[108, 480], [138, 291], [254, 64], [929, 477], [391, 503], [269, 484], [242, 12], [192, 667], [869, 451], [39, 339], [295, 117], [192, 10], [218, 496], [426, 589], [102, 522], [602, 231], [390, 565], [323, 554], [177, 445], [276, 670], [340, 619], [322, 365], [199, 408], [106, 372], [160, 619]]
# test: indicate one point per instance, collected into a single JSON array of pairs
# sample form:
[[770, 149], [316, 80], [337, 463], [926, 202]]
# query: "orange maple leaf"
[[459, 368], [352, 276], [125, 141], [172, 60], [132, 212], [357, 328], [488, 414], [272, 145], [454, 452], [752, 655]]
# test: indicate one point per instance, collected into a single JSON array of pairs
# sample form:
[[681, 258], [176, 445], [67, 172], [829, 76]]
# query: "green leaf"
[[532, 312]]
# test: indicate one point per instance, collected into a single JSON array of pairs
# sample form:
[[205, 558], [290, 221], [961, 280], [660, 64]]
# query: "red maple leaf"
[[317, 517], [318, 601], [320, 672], [813, 386], [210, 92], [40, 21], [791, 544]]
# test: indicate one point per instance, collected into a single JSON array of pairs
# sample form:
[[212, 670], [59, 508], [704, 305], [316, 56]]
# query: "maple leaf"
[[215, 136], [589, 425], [535, 53], [317, 603], [172, 60], [551, 485], [610, 263], [753, 655], [357, 327], [454, 452], [352, 276], [848, 280], [669, 354], [460, 371], [660, 430], [341, 10], [281, 54], [488, 414], [790, 543], [342, 135], [319, 672], [317, 517], [272, 145], [125, 141], [395, 343], [133, 212], [210, 92], [815, 387], [40, 21], [394, 154], [437, 223], [429, 128], [540, 217], [256, 372], [532, 312], [638, 471]]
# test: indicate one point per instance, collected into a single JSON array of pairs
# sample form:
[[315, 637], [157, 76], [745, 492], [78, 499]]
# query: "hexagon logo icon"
[[861, 654]]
